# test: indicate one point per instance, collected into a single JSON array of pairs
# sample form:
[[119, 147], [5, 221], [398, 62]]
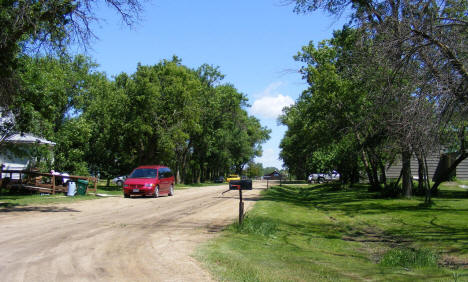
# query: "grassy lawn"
[[8, 201], [112, 189], [317, 233]]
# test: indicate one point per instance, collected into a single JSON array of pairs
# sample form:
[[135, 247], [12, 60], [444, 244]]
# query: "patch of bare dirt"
[[454, 262], [116, 239]]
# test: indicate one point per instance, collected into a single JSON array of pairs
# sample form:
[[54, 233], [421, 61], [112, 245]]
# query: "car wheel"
[[126, 196], [156, 192], [119, 182], [171, 190]]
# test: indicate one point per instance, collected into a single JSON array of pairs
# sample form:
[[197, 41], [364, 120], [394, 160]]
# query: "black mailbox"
[[242, 184]]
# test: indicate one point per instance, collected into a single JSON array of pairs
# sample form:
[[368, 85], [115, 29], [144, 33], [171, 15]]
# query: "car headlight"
[[149, 185]]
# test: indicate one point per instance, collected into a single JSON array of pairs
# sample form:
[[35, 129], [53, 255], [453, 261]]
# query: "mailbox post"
[[241, 207], [240, 185]]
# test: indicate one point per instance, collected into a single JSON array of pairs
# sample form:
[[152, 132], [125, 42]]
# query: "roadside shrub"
[[409, 258], [256, 225]]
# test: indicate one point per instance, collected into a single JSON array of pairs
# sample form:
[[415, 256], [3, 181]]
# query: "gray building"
[[435, 161]]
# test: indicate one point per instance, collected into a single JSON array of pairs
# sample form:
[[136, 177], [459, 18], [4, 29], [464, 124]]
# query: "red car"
[[149, 180]]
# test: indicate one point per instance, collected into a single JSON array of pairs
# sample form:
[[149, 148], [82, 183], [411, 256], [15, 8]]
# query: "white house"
[[17, 152]]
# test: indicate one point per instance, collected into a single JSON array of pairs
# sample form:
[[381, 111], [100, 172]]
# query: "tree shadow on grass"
[[351, 202], [452, 194], [410, 220], [317, 195]]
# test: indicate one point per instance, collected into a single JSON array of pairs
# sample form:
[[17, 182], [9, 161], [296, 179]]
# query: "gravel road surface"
[[116, 239]]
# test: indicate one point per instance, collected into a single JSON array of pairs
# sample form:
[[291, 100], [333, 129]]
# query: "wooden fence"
[[42, 182]]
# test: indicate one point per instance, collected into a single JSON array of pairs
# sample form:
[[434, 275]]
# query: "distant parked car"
[[323, 177], [119, 181], [232, 177], [219, 179], [149, 180]]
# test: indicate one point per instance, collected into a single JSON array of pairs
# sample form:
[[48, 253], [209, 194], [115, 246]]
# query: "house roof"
[[26, 138], [273, 173], [7, 120]]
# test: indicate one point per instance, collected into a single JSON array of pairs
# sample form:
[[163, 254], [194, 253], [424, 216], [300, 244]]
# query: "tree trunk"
[[383, 175], [178, 180], [375, 174], [367, 168], [421, 173], [406, 168], [441, 177], [427, 185], [398, 180], [198, 172]]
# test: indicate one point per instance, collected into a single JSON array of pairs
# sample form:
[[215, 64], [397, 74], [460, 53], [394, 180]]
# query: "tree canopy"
[[395, 84], [164, 113], [44, 27]]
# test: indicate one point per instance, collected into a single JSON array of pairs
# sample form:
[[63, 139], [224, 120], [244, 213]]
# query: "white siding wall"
[[11, 162]]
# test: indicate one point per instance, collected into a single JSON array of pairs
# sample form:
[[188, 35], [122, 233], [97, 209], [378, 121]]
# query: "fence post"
[[95, 185], [53, 184]]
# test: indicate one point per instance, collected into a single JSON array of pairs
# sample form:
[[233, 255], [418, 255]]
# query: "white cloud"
[[270, 102], [270, 158], [271, 106], [271, 89]]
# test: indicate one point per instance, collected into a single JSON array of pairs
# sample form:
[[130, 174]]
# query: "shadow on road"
[[7, 207]]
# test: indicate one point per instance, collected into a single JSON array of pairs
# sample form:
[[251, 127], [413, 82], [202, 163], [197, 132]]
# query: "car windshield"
[[144, 173]]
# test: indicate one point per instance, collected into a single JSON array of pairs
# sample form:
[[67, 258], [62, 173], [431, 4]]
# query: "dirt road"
[[116, 239]]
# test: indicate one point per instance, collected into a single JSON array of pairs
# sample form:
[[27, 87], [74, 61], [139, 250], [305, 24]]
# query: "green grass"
[[113, 189], [462, 182], [293, 182], [406, 257], [318, 233], [10, 201]]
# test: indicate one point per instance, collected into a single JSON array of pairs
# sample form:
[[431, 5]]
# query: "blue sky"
[[252, 42]]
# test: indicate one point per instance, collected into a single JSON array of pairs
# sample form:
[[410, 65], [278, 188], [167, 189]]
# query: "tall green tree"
[[44, 27], [326, 128], [50, 106], [424, 41]]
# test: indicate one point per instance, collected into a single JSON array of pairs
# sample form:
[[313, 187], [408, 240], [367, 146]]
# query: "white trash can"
[[71, 188]]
